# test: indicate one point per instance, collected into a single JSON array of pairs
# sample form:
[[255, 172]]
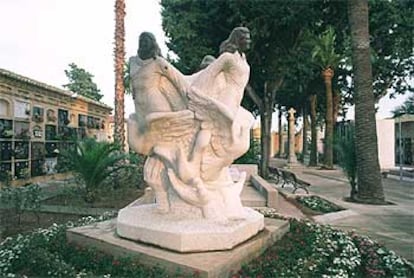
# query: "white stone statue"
[[191, 128]]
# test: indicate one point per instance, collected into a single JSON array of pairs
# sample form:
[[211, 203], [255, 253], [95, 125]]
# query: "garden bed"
[[111, 198], [307, 250], [30, 221], [24, 210], [315, 205]]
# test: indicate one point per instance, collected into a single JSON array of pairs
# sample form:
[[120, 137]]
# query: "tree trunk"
[[265, 131], [313, 161], [370, 188], [305, 133], [119, 72], [328, 155], [281, 146], [336, 100]]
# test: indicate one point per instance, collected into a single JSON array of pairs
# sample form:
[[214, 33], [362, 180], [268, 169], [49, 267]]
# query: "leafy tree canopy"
[[406, 108], [280, 42], [80, 81], [196, 28], [391, 31]]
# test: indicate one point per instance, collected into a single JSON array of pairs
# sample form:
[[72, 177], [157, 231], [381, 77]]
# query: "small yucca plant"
[[345, 147]]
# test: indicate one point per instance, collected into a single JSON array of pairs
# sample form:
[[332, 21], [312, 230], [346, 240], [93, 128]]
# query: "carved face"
[[244, 41], [146, 47]]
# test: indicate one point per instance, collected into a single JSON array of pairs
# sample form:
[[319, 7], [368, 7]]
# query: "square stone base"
[[184, 232], [102, 236]]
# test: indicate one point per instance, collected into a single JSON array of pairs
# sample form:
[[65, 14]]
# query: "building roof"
[[45, 86], [404, 118]]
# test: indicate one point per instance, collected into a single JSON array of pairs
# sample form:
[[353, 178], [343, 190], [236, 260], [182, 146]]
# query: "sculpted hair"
[[207, 60], [151, 52], [231, 43]]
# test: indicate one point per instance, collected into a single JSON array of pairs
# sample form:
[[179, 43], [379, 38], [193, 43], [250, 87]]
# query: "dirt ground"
[[29, 221]]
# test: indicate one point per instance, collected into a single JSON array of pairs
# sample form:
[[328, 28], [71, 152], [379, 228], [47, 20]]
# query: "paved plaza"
[[391, 225]]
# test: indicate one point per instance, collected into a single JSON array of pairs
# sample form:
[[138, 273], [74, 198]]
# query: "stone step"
[[252, 198]]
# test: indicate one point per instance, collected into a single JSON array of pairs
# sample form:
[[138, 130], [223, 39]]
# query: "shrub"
[[345, 147], [93, 162], [46, 253], [313, 250], [21, 198], [318, 204], [252, 156], [132, 175]]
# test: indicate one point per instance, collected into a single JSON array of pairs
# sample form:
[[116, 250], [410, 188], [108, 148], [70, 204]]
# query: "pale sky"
[[39, 38]]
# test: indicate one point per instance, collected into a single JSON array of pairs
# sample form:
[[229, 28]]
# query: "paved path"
[[391, 225]]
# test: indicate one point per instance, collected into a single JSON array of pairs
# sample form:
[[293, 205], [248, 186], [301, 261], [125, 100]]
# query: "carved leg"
[[163, 205], [202, 141], [153, 170], [231, 197]]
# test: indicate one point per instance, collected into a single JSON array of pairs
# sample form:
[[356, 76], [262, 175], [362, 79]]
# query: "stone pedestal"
[[217, 264], [185, 231]]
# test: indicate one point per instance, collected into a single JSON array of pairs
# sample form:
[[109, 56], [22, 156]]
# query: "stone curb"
[[327, 217], [73, 210], [333, 216]]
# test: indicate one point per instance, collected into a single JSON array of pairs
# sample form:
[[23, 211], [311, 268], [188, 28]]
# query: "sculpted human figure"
[[192, 128], [226, 77], [159, 96], [221, 84], [215, 96]]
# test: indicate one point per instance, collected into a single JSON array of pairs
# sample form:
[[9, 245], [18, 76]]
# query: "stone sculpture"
[[191, 128]]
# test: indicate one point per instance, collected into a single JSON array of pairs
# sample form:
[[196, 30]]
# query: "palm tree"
[[119, 52], [93, 162], [324, 56], [370, 188], [313, 160]]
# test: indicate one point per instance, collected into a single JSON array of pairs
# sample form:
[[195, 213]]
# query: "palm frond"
[[94, 161], [324, 54]]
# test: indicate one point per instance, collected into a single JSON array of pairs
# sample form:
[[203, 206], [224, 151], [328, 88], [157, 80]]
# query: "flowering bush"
[[318, 204], [313, 250], [46, 253], [378, 261], [307, 250]]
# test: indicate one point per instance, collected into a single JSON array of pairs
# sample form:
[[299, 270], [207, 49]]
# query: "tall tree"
[[80, 82], [324, 54], [281, 146], [305, 131], [313, 160], [369, 177], [196, 28], [119, 52]]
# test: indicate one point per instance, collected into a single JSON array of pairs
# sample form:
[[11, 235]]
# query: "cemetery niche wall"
[[37, 121]]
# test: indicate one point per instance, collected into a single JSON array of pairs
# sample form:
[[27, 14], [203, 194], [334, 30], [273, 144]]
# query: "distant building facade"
[[38, 121], [406, 148]]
